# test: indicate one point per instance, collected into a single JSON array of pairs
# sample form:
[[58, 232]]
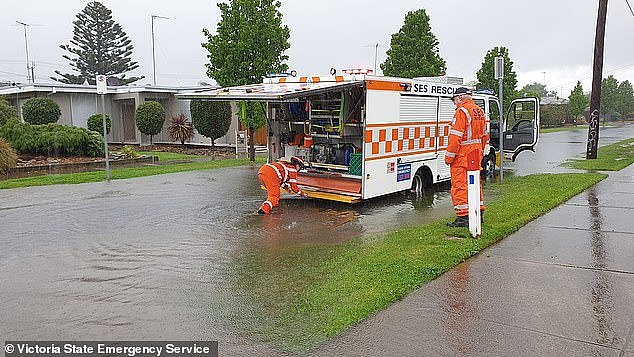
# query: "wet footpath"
[[563, 285]]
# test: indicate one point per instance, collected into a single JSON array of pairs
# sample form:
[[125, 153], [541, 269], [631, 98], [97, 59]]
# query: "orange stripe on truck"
[[409, 123], [400, 155], [384, 85]]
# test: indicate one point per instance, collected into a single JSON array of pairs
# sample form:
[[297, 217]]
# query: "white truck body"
[[396, 129]]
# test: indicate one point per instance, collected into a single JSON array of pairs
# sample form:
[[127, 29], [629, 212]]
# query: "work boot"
[[461, 221], [261, 211]]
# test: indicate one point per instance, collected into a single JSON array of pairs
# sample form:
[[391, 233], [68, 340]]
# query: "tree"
[[625, 102], [486, 75], [150, 117], [41, 111], [211, 119], [249, 43], [536, 90], [7, 112], [99, 46], [578, 101], [609, 96], [414, 49], [95, 123]]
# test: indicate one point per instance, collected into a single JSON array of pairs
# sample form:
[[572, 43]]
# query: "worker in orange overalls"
[[468, 133], [279, 174]]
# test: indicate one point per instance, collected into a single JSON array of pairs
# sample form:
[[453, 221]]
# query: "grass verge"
[[613, 157], [125, 173], [169, 156], [299, 296], [563, 128]]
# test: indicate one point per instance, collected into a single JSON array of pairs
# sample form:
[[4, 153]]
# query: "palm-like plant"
[[180, 128]]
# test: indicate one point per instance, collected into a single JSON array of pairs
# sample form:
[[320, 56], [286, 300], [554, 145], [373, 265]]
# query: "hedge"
[[52, 140]]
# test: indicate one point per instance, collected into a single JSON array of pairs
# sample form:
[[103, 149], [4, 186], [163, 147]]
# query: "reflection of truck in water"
[[366, 136]]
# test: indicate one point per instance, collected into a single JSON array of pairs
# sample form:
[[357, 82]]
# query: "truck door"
[[521, 131]]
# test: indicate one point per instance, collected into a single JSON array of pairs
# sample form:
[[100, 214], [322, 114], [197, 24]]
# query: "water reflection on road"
[[150, 258]]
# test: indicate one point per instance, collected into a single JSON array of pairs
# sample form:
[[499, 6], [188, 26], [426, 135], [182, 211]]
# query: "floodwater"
[[153, 258], [150, 258], [553, 149]]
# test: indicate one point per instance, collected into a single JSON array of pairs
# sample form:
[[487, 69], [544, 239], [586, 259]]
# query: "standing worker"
[[468, 133], [279, 174]]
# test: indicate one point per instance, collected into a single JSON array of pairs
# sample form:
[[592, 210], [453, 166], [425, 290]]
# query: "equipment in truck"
[[364, 136]]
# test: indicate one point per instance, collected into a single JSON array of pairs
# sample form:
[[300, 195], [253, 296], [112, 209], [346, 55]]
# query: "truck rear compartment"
[[330, 186]]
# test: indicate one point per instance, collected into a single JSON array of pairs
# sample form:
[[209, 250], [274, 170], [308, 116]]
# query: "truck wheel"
[[417, 184], [422, 180], [488, 165]]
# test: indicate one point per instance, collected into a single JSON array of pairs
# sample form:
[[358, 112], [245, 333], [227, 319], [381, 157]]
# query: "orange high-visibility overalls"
[[273, 176], [468, 133]]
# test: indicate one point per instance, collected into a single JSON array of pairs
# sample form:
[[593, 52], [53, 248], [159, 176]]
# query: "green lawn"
[[124, 173], [170, 156], [612, 157], [563, 128], [301, 295]]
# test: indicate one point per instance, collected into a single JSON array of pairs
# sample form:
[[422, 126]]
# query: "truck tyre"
[[488, 165], [421, 180]]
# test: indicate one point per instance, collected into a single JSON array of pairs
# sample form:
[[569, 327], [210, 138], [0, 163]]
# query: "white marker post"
[[473, 193], [102, 89]]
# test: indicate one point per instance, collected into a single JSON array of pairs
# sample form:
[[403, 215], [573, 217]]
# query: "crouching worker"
[[279, 174]]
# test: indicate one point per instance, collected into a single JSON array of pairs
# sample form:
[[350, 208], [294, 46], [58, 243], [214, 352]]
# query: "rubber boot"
[[461, 221]]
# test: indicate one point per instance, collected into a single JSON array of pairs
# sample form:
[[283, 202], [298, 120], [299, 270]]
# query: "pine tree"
[[99, 46], [578, 101], [414, 49], [486, 74]]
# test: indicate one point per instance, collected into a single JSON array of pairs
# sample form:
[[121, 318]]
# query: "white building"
[[78, 102]]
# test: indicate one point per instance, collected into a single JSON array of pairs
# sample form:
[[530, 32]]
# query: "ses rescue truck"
[[366, 136]]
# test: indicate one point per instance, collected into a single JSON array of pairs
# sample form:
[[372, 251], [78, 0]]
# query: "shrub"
[[211, 119], [150, 117], [52, 140], [128, 152], [8, 157], [40, 111], [181, 129], [95, 123], [7, 112]]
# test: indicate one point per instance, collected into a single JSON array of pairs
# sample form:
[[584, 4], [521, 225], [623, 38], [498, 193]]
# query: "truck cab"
[[521, 127]]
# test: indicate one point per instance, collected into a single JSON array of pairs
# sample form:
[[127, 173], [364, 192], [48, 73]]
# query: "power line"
[[628, 5]]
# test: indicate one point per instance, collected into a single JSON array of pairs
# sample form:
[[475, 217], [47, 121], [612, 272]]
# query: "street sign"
[[499, 68], [101, 84]]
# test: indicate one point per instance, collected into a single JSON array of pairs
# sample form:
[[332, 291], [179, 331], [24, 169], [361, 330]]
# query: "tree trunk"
[[213, 143], [250, 132]]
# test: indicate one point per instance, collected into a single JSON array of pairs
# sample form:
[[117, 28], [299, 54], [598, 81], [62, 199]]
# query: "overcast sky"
[[549, 41]]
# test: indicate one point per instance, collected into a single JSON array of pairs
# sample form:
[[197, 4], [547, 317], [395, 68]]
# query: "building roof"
[[552, 100], [80, 88]]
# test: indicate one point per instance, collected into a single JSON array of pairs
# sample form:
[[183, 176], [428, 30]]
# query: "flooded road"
[[149, 258], [152, 258], [555, 148]]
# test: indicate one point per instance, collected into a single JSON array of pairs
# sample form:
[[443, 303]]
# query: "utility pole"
[[29, 77], [153, 56], [498, 71], [376, 50], [597, 75]]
